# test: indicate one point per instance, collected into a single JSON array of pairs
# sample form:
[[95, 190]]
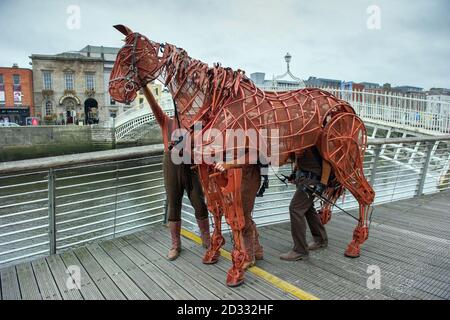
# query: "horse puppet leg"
[[343, 145], [234, 215], [214, 199]]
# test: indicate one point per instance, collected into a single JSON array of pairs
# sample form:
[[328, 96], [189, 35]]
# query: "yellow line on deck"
[[274, 280]]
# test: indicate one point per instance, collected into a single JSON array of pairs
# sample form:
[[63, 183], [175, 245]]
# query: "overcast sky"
[[327, 39]]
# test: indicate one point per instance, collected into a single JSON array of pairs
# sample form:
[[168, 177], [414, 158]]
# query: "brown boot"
[[259, 251], [175, 233], [293, 256], [203, 225], [317, 245]]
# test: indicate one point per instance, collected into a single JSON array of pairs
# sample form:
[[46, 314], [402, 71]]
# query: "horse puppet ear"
[[123, 29]]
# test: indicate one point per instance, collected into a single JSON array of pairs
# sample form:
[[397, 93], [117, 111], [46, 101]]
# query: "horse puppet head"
[[139, 62]]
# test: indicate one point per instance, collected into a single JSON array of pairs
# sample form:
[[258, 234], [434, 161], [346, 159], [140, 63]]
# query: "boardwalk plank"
[[10, 284], [213, 277], [176, 291], [120, 278], [256, 288], [63, 279], [88, 289], [28, 285], [47, 286], [146, 284], [184, 276], [106, 286]]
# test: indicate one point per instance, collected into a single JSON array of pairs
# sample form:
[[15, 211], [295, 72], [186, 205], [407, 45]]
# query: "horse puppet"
[[218, 100]]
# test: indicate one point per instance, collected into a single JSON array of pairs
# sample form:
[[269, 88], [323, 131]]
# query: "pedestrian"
[[307, 176], [179, 178]]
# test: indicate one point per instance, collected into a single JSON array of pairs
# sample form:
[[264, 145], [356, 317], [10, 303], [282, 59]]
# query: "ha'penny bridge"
[[98, 220]]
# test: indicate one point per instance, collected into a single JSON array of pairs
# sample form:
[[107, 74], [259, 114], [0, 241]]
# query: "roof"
[[65, 56], [100, 49]]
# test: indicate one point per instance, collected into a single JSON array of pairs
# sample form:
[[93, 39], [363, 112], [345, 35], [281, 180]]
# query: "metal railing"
[[61, 202], [427, 116], [52, 204], [137, 116]]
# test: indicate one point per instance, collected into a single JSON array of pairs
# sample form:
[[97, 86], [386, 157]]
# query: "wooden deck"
[[409, 241]]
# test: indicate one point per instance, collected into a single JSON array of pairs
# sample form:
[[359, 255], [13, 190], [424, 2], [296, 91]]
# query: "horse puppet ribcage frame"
[[222, 99]]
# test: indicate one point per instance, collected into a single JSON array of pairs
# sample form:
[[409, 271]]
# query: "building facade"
[[16, 94], [108, 56], [438, 104], [323, 83], [68, 88]]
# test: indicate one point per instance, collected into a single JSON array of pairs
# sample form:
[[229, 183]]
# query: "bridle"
[[133, 74]]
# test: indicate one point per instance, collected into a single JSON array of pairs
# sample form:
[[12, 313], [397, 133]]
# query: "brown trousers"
[[301, 207], [251, 181], [180, 178]]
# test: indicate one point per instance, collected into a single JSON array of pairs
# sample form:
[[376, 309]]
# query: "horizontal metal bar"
[[22, 203], [22, 184], [101, 229], [381, 141], [33, 254], [4, 253], [16, 223], [23, 194], [108, 180], [106, 212], [23, 174], [110, 219], [106, 197], [22, 212], [23, 239], [91, 165], [107, 235], [106, 205], [108, 188], [22, 231], [108, 171]]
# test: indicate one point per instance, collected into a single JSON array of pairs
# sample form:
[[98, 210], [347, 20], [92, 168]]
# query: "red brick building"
[[16, 94]]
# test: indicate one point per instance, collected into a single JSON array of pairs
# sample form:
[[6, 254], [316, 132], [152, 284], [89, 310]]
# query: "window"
[[2, 90], [47, 80], [68, 81], [90, 82], [16, 84], [48, 108], [16, 79]]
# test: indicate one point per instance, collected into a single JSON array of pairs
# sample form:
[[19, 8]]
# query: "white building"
[[438, 104]]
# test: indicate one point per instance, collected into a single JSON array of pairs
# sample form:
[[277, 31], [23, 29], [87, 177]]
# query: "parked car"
[[8, 124]]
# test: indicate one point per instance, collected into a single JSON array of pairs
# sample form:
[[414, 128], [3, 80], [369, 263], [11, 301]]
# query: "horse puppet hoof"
[[232, 283], [210, 258], [353, 250]]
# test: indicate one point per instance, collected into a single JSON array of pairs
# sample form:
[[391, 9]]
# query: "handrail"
[[381, 141], [118, 154], [82, 158]]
